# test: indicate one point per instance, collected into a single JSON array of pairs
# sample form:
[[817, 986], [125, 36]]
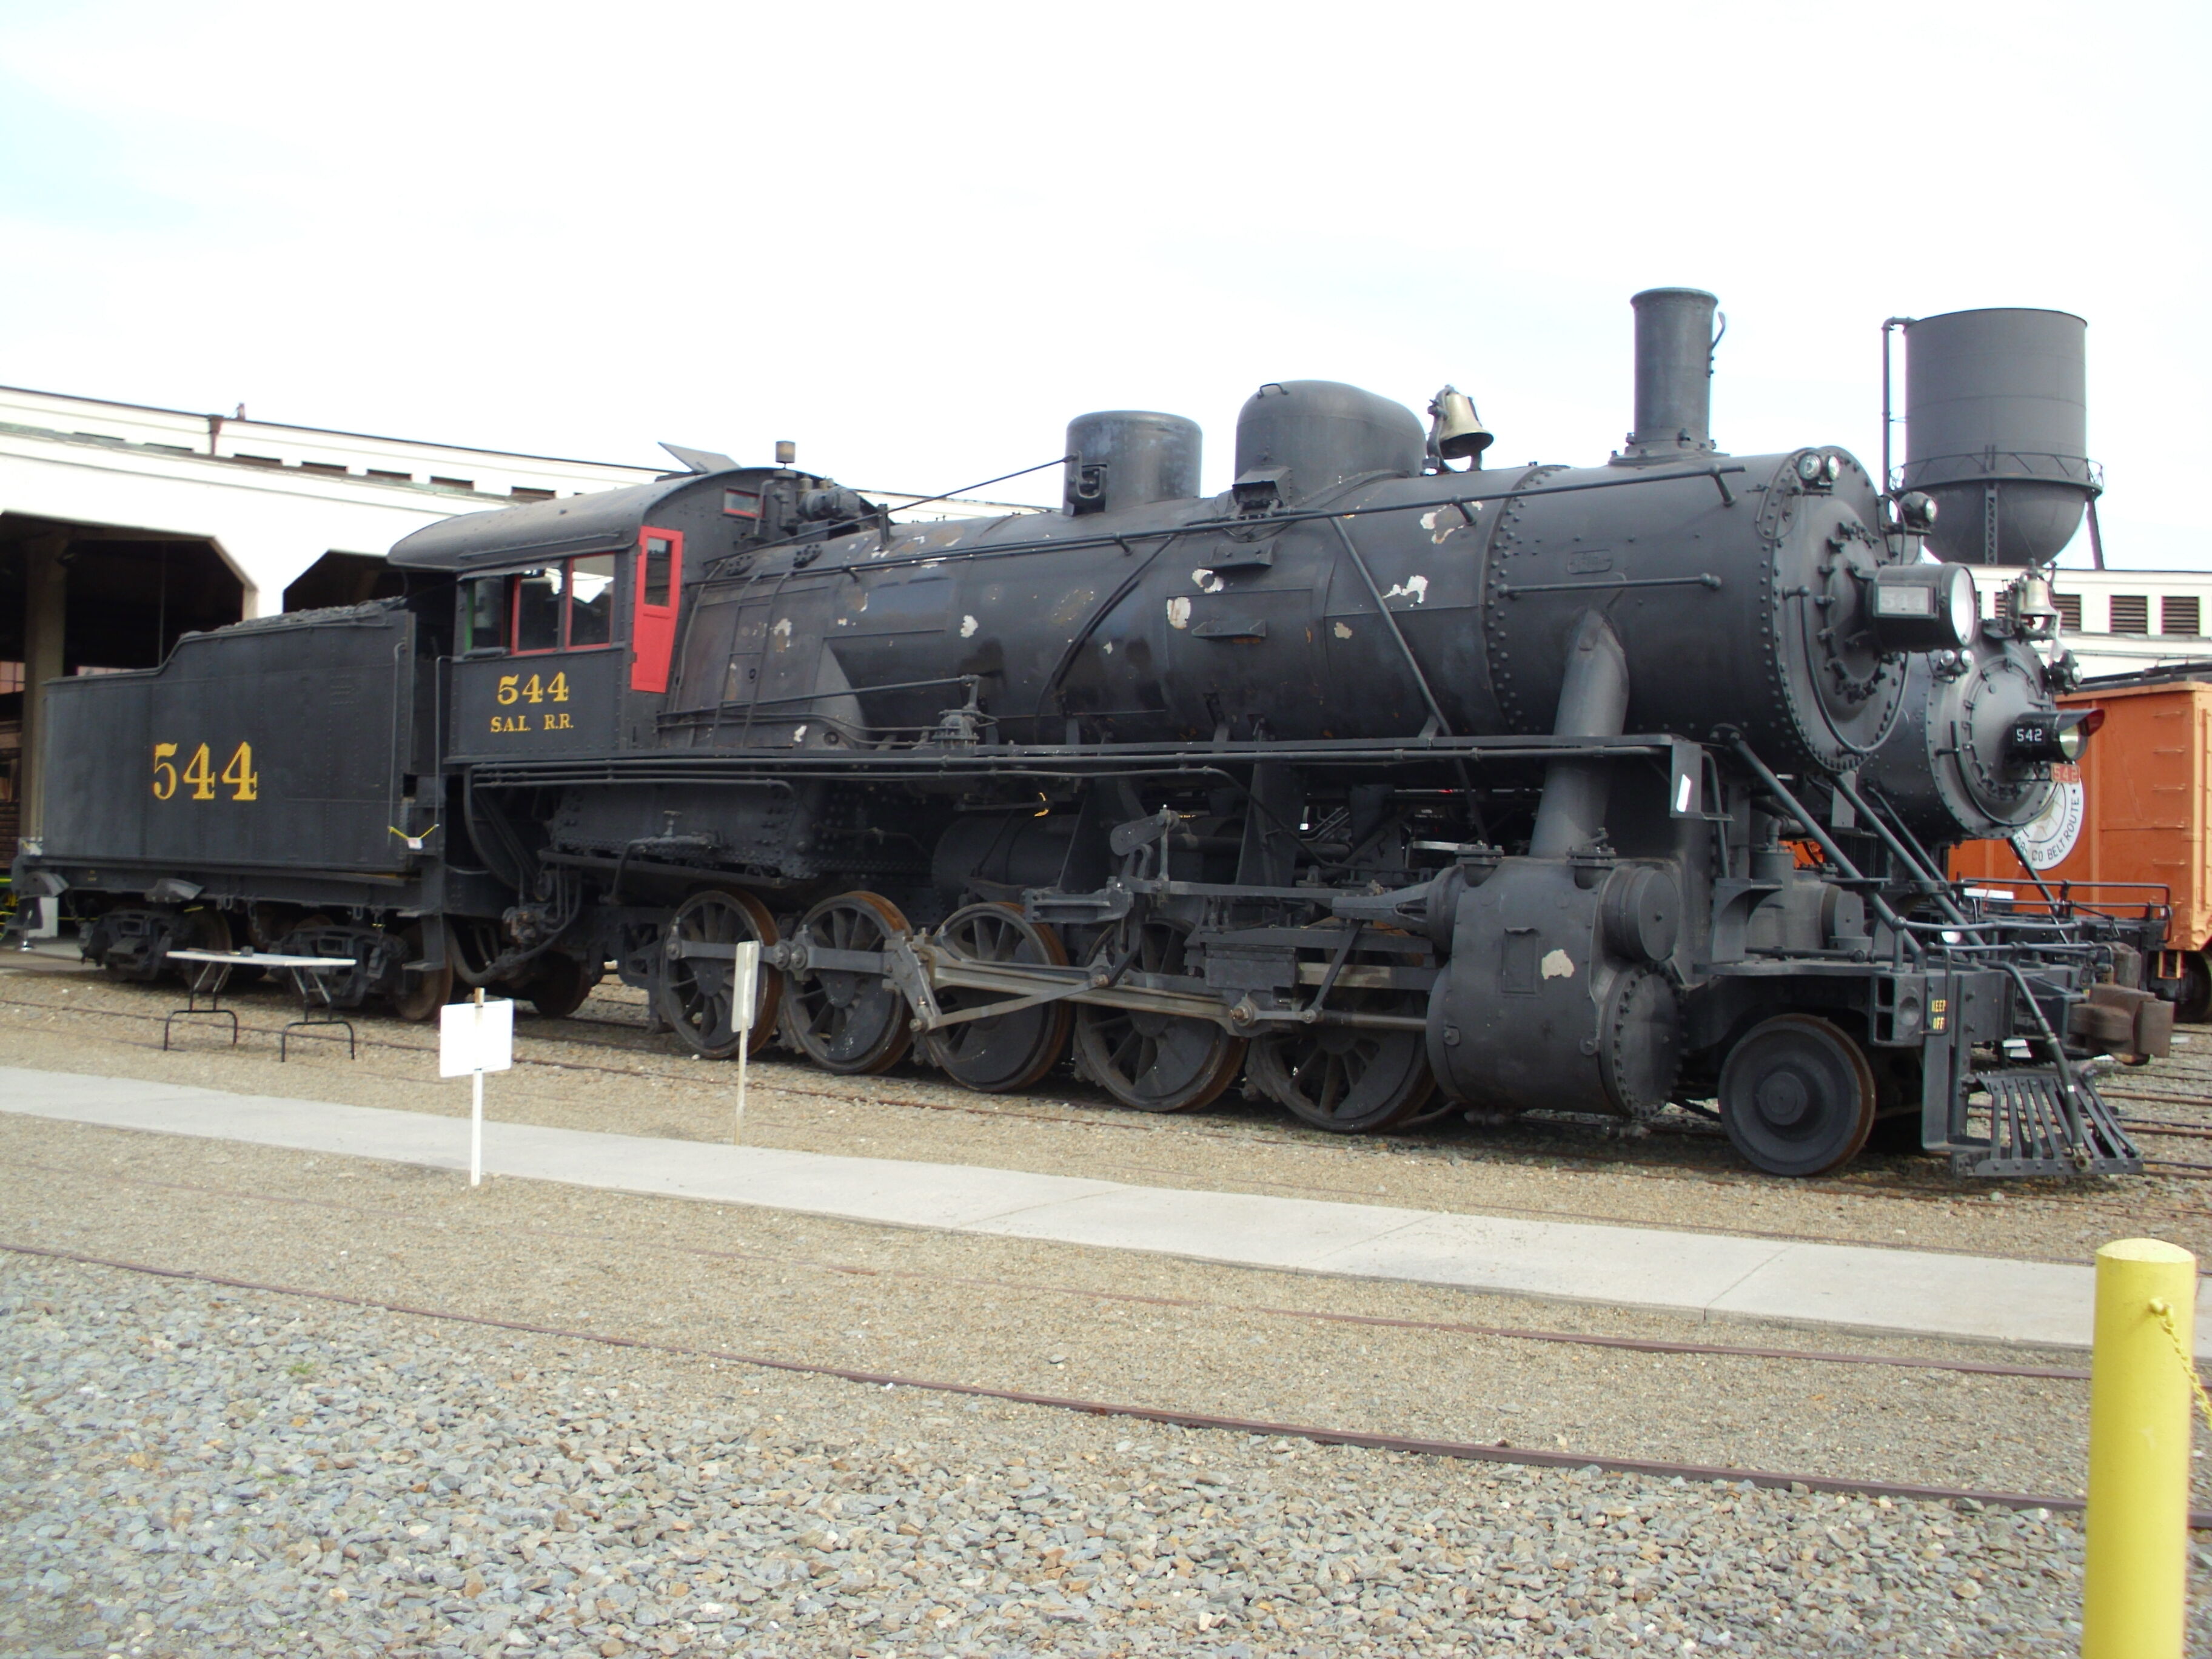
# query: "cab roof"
[[605, 520]]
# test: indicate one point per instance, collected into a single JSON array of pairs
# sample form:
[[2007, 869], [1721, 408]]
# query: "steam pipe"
[[1593, 703]]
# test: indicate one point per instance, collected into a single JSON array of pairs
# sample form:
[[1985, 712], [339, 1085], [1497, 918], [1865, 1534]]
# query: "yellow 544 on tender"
[[198, 776]]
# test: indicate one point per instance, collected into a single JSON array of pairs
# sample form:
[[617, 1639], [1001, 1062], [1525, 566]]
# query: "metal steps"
[[2033, 1133]]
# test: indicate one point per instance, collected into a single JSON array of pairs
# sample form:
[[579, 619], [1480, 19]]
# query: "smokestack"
[[1674, 342]]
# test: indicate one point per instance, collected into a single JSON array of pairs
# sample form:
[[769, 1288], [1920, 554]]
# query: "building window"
[[2069, 610], [11, 678], [391, 478], [2178, 613], [523, 494], [452, 483], [2131, 613]]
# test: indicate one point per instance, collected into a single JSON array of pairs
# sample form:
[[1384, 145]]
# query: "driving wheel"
[[697, 973], [1154, 1062], [1006, 1051], [1797, 1097], [846, 1020], [1347, 1079]]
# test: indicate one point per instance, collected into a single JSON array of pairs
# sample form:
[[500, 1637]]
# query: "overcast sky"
[[917, 239]]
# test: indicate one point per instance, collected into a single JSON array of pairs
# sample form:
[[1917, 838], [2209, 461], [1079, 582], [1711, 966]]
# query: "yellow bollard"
[[2141, 1396]]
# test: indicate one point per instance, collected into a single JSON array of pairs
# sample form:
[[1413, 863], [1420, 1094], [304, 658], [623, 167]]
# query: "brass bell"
[[1455, 428]]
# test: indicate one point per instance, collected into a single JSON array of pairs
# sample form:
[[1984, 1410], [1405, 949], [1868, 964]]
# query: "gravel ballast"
[[188, 1470]]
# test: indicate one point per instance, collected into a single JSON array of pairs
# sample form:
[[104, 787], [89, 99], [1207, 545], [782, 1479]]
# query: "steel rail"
[[1500, 1452]]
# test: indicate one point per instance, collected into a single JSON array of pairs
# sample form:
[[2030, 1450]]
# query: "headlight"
[[1925, 607], [2049, 739], [1963, 600], [2077, 726]]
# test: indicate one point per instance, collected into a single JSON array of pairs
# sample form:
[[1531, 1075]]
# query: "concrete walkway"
[[1922, 1293]]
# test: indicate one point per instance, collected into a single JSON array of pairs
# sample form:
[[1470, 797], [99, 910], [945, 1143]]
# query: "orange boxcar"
[[2138, 809]]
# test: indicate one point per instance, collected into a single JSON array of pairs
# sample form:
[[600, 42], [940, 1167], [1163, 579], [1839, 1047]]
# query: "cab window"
[[565, 606], [538, 609], [591, 601], [483, 615]]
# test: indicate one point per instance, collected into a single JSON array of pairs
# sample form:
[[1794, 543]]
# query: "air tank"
[[1996, 432], [1123, 458]]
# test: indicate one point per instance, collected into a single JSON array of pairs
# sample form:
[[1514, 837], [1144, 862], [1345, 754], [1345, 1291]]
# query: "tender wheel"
[[847, 1022], [1797, 1097], [558, 983], [1344, 1078], [2192, 1003], [694, 994], [422, 993], [1155, 1062], [1009, 1051]]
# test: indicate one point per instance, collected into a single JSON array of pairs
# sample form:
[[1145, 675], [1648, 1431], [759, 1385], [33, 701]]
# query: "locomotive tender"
[[1395, 786]]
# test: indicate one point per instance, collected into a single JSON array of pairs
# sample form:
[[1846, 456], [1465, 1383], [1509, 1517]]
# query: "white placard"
[[476, 1036], [744, 983]]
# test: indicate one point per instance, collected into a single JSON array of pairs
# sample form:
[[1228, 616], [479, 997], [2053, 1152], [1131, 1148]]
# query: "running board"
[[2033, 1133]]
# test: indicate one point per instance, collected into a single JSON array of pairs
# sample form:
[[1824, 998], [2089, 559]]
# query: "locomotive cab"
[[568, 613]]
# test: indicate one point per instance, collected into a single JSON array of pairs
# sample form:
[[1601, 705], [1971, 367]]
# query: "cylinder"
[[1125, 458], [1997, 431], [2141, 1390], [1673, 372]]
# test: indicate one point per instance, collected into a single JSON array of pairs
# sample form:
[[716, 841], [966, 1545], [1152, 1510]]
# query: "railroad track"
[[1518, 1333], [1496, 1452], [1726, 1354]]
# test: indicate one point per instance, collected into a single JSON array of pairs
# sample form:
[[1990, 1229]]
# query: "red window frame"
[[567, 610], [653, 627]]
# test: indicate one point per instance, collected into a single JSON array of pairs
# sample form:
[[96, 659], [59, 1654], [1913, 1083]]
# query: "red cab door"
[[653, 630]]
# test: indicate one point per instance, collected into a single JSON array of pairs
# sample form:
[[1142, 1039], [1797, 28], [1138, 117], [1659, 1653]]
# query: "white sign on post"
[[473, 1039], [745, 980]]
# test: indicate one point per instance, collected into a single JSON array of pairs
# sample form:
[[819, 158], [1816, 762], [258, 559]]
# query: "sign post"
[[475, 1037], [745, 979]]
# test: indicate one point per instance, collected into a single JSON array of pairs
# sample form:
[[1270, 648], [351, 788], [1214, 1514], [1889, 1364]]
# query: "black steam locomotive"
[[1393, 786]]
